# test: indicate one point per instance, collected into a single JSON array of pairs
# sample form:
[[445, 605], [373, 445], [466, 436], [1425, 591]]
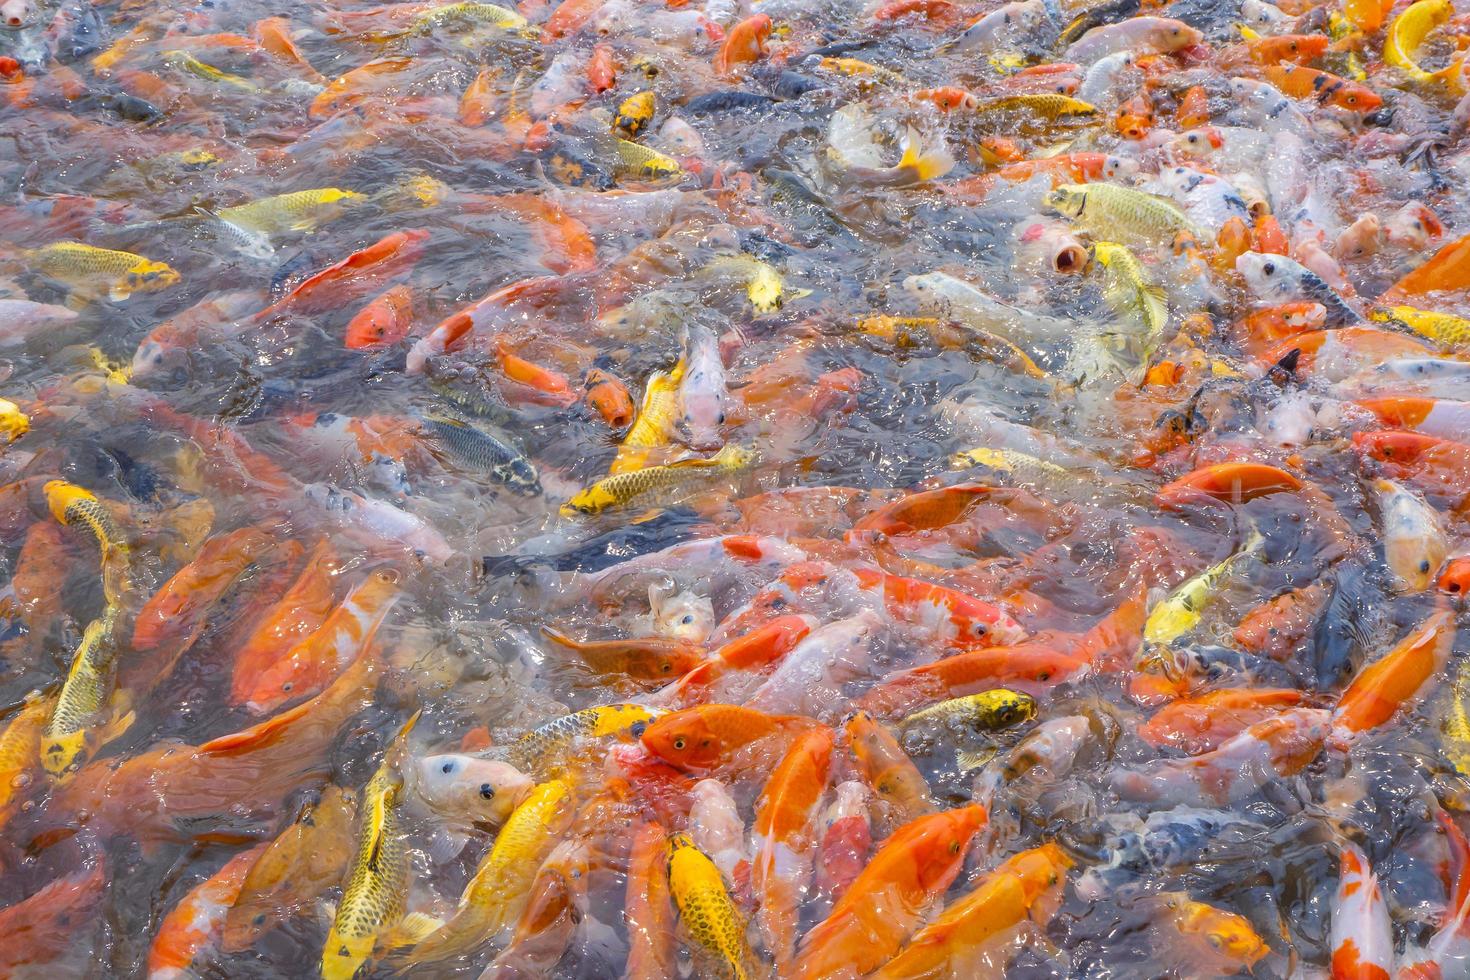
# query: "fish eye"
[[287, 686], [1269, 268], [722, 418], [686, 619], [982, 629], [448, 767], [259, 919], [1216, 941], [638, 728], [679, 744], [665, 667], [1352, 100], [1194, 138], [487, 792], [1044, 675], [1424, 566], [954, 847]]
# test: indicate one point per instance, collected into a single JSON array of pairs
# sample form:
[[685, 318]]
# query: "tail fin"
[[925, 165]]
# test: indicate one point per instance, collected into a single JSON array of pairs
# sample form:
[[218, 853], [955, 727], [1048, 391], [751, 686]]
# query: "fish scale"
[[537, 747], [82, 695], [707, 914], [376, 893]]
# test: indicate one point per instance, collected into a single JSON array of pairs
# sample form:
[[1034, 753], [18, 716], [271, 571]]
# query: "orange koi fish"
[[1026, 886], [707, 735], [888, 769], [192, 928], [781, 870], [910, 872], [1201, 724], [175, 614], [293, 870], [649, 908], [383, 322], [1275, 628], [1395, 679], [1031, 667], [654, 658], [295, 617], [1448, 269], [744, 45], [949, 616], [346, 632], [57, 919], [1309, 83], [355, 276], [1229, 482]]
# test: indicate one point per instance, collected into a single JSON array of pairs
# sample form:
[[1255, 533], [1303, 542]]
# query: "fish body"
[[707, 914], [91, 271], [379, 521], [297, 211], [1049, 106], [544, 746], [1157, 34], [307, 858], [909, 874], [472, 12], [1181, 611], [782, 868], [1024, 886], [654, 424], [186, 62], [376, 893], [626, 489], [1406, 36], [1129, 292], [468, 442], [960, 300], [1362, 934], [346, 632], [194, 927], [499, 888], [1413, 536], [985, 711], [82, 696], [1106, 209], [1450, 332]]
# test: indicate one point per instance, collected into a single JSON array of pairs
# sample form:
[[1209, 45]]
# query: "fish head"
[[61, 496], [683, 616], [1003, 708], [589, 502], [519, 477], [1264, 273], [343, 956], [1174, 35], [684, 739], [64, 753], [149, 277], [486, 791], [1116, 168], [939, 850], [1068, 200]]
